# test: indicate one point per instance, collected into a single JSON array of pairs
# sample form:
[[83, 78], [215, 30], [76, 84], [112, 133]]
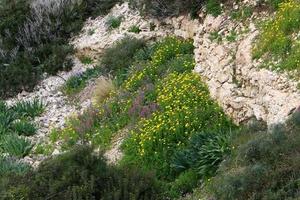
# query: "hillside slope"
[[166, 108]]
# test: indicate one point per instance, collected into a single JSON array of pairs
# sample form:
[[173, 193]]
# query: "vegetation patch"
[[242, 14], [86, 60], [134, 29], [164, 105], [213, 7], [185, 109], [78, 81], [81, 174], [263, 165], [278, 41], [113, 22], [29, 49], [15, 126]]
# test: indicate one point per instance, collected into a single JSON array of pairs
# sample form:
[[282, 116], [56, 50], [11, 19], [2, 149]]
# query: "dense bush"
[[81, 174], [9, 166], [34, 38], [277, 42], [263, 166], [183, 184], [124, 50], [130, 103]]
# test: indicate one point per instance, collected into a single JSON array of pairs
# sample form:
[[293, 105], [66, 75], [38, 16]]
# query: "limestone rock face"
[[96, 37], [242, 88]]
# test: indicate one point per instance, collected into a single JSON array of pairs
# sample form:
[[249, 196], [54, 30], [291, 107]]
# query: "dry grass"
[[102, 90]]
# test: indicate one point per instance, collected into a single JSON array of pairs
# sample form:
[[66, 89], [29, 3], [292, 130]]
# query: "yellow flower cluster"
[[169, 48], [276, 34], [186, 108]]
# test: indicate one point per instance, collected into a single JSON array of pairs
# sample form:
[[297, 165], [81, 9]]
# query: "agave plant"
[[14, 145], [6, 118], [204, 153], [9, 165], [212, 153], [3, 106], [23, 127], [29, 108]]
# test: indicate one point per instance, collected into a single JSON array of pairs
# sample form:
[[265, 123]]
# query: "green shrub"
[[184, 184], [78, 81], [169, 49], [134, 29], [15, 145], [86, 60], [232, 36], [19, 74], [82, 174], [9, 166], [124, 50], [215, 36], [274, 3], [264, 166], [44, 149], [73, 85], [113, 22], [145, 54], [54, 57], [213, 7], [6, 118]]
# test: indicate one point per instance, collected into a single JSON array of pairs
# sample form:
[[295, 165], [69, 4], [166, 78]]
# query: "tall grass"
[[103, 88]]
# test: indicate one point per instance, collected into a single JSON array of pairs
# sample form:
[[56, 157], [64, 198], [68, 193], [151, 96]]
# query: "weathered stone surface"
[[246, 90]]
